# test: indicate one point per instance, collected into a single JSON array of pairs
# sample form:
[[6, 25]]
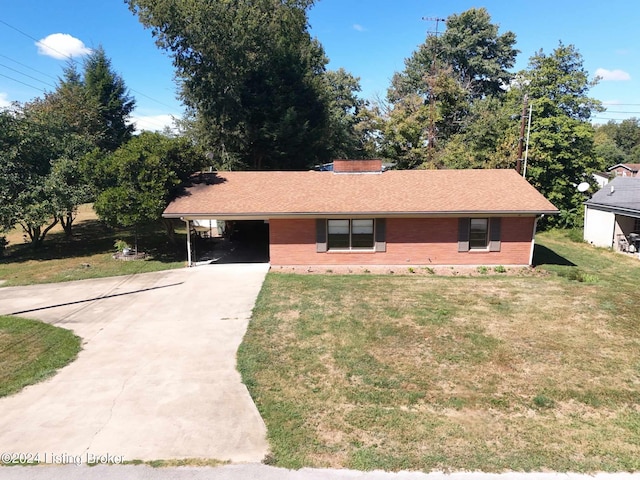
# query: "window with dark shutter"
[[346, 234]]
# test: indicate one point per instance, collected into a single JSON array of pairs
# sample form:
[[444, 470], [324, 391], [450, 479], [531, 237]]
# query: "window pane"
[[338, 241], [339, 227], [478, 233], [362, 226]]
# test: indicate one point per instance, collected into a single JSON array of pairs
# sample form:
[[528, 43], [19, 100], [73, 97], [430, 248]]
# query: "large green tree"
[[140, 178], [562, 138], [252, 75], [107, 90], [29, 144], [467, 64]]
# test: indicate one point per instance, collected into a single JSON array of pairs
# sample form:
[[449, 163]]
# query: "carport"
[[245, 239]]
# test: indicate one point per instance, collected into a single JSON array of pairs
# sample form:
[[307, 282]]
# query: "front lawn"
[[457, 373], [31, 351]]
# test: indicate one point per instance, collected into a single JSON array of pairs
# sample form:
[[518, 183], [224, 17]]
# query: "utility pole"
[[432, 83], [523, 119]]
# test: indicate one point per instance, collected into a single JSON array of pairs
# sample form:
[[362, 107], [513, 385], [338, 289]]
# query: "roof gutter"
[[406, 214]]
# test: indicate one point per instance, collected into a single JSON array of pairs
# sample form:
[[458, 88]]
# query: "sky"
[[369, 38]]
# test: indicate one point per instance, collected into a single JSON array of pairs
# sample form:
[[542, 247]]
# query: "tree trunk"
[[66, 221], [170, 230]]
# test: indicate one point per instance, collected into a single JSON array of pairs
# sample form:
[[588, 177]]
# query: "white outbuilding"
[[612, 215]]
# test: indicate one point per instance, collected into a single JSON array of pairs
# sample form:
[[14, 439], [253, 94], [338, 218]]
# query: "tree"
[[451, 73], [562, 146], [141, 178], [251, 74], [27, 146], [345, 113], [107, 90]]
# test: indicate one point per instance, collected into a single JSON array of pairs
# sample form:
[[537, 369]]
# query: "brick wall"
[[355, 166], [410, 241], [624, 172]]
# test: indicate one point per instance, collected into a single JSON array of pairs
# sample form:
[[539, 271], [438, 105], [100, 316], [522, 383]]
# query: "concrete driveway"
[[156, 378]]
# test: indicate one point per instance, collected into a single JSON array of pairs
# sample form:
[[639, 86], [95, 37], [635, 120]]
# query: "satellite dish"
[[583, 187]]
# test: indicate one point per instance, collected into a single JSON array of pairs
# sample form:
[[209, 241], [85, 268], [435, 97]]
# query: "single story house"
[[612, 215], [358, 214]]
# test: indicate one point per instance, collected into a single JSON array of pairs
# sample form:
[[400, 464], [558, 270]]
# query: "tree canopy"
[[140, 178], [253, 77]]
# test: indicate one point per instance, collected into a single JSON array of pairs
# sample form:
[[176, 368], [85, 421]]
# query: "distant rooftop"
[[622, 194]]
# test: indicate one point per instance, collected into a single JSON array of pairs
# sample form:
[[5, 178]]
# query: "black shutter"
[[463, 234], [321, 235], [495, 226], [380, 234]]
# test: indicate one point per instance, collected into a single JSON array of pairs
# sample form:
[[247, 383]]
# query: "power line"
[[30, 68], [618, 111], [26, 75], [72, 60], [38, 41], [23, 83]]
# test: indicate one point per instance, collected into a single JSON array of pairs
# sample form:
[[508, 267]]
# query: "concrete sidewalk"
[[264, 472], [156, 378]]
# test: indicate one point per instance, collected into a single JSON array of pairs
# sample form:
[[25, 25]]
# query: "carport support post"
[[188, 243]]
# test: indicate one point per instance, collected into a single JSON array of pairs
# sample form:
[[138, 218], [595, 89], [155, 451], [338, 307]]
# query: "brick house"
[[625, 170], [359, 215]]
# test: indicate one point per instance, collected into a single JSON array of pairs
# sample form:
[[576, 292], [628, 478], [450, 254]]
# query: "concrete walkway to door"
[[156, 378]]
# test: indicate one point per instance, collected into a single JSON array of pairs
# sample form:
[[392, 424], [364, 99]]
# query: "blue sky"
[[369, 38]]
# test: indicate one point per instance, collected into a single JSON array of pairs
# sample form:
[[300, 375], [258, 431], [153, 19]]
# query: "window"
[[350, 234], [636, 225], [479, 233]]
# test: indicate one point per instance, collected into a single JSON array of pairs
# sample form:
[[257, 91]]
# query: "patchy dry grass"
[[462, 373], [31, 351]]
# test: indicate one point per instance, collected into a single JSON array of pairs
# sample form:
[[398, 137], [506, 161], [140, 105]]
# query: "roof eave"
[[405, 214]]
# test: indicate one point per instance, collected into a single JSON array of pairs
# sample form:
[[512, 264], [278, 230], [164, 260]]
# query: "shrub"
[[499, 269]]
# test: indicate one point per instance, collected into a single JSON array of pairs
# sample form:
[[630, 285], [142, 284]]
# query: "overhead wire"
[[69, 57]]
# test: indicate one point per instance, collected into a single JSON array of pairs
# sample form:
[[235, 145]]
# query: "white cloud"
[[153, 123], [612, 75], [62, 46], [4, 100], [359, 27], [611, 102]]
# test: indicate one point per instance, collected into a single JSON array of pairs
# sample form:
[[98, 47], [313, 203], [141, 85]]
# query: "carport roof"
[[395, 192]]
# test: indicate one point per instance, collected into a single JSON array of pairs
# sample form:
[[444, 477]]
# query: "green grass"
[[31, 351], [493, 373], [88, 255]]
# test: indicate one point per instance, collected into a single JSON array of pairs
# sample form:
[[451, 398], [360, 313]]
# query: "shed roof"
[[395, 192], [622, 194]]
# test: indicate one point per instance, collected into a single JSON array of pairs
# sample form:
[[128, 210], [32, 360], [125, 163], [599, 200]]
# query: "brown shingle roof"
[[396, 192]]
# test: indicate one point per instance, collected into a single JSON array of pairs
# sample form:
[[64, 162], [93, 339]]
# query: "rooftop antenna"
[[431, 82]]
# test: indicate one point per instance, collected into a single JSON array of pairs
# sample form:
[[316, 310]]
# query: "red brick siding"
[[410, 241], [351, 166]]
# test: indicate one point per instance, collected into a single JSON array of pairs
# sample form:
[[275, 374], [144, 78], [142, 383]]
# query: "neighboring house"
[[359, 215], [612, 215], [625, 169], [601, 178]]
